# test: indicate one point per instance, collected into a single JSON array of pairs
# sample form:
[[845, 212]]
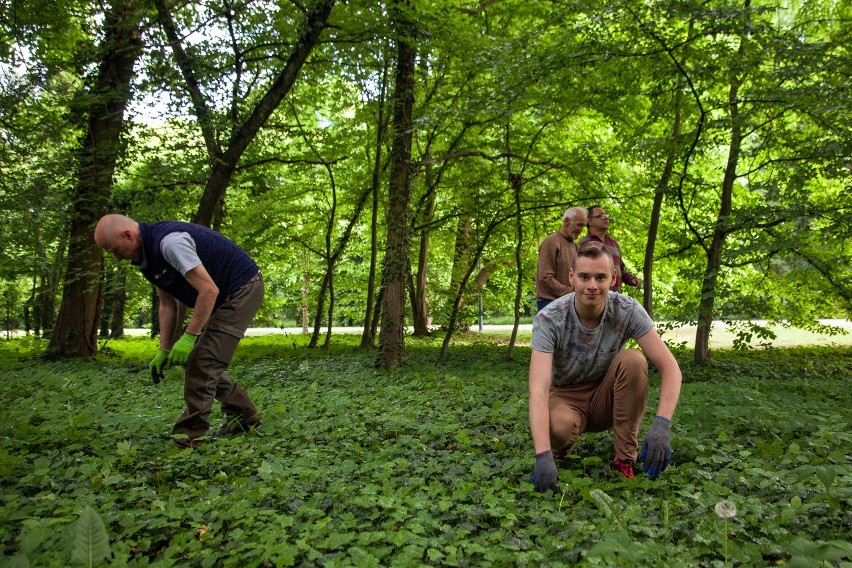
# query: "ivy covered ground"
[[426, 465]]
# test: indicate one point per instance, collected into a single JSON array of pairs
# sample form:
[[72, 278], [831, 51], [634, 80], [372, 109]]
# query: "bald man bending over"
[[203, 270]]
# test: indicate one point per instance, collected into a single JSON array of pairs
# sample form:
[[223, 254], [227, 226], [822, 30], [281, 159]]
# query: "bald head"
[[120, 236]]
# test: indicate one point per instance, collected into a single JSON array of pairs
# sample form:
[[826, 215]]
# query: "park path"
[[722, 335]]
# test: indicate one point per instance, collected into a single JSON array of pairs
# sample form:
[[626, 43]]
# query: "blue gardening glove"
[[156, 365], [182, 349], [657, 449], [544, 474]]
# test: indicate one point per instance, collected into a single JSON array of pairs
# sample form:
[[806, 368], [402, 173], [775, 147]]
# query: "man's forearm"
[[541, 364], [167, 314], [540, 423], [669, 393], [204, 304]]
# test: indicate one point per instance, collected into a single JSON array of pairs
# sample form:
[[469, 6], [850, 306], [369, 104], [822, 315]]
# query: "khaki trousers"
[[617, 402], [206, 377]]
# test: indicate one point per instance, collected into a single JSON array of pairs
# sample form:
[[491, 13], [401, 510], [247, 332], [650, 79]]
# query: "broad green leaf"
[[91, 542]]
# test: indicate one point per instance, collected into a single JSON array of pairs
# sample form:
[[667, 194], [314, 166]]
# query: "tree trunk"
[[390, 352], [75, 334], [368, 335], [50, 281], [654, 224], [462, 287], [516, 181], [327, 343], [306, 286], [106, 308], [659, 194], [421, 304], [720, 230], [461, 264], [331, 263]]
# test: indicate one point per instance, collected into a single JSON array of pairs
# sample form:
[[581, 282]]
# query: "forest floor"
[[425, 465]]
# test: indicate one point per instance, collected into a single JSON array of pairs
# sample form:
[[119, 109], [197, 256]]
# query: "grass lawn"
[[425, 465]]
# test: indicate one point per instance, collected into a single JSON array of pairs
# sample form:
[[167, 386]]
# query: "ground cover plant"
[[424, 465]]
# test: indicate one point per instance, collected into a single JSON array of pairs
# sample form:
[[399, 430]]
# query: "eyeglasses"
[[601, 216]]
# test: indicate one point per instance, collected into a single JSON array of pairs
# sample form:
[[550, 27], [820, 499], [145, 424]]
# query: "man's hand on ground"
[[544, 474], [657, 449]]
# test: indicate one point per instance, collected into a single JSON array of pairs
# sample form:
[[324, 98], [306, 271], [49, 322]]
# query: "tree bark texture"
[[390, 352], [76, 330], [720, 230]]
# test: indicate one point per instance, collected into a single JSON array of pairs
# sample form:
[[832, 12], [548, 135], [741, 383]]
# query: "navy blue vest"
[[228, 265]]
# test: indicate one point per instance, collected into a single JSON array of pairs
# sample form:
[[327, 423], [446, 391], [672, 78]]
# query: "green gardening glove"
[[182, 349], [156, 365]]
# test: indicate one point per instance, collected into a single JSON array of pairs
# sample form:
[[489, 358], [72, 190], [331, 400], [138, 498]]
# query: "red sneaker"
[[623, 466]]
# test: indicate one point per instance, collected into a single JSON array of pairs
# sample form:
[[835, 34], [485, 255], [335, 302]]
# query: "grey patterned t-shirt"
[[580, 354]]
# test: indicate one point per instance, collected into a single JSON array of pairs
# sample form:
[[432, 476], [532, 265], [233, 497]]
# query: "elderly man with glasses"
[[598, 227]]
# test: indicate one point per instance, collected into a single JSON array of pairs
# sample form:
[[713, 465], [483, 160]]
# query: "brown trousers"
[[617, 402], [206, 377]]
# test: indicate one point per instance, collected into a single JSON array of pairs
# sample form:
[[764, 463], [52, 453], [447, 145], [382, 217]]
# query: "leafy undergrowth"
[[425, 465]]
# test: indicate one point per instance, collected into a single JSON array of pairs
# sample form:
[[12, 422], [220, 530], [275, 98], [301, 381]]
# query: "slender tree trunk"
[[327, 341], [76, 330], [390, 352], [516, 181], [654, 224], [461, 288], [326, 284], [331, 263], [377, 314], [421, 305], [49, 290], [721, 228], [328, 279], [368, 335], [659, 194], [38, 283], [106, 310], [461, 265], [306, 286], [30, 311]]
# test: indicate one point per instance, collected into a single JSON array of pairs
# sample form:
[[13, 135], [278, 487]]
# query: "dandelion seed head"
[[726, 509]]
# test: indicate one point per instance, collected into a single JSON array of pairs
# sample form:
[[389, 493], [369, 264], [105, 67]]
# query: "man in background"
[[598, 227], [203, 270], [555, 257]]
